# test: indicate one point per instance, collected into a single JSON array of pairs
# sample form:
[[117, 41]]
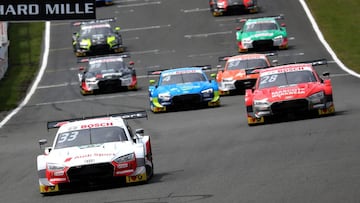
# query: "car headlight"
[[125, 158], [84, 43], [317, 97], [93, 79], [246, 40], [55, 167], [164, 96], [278, 38], [227, 80], [261, 104], [125, 75], [207, 92]]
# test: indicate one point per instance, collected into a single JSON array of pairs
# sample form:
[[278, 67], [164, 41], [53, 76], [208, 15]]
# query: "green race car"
[[97, 37], [262, 33]]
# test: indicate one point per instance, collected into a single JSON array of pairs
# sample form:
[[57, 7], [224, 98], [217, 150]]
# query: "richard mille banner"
[[39, 10]]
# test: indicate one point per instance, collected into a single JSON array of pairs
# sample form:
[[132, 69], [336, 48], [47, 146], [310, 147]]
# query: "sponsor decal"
[[93, 155], [27, 10], [287, 92], [96, 125]]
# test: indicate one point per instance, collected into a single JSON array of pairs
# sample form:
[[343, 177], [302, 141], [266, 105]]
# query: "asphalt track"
[[206, 155]]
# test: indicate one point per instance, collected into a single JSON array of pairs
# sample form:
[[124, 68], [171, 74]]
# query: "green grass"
[[339, 21], [24, 58]]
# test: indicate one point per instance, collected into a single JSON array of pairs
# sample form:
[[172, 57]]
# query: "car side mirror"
[[47, 150], [152, 82], [326, 74], [283, 25], [138, 133]]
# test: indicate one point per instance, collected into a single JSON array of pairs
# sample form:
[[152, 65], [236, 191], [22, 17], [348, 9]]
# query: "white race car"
[[95, 149]]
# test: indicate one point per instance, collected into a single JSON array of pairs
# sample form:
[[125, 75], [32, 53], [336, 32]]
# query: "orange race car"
[[240, 72]]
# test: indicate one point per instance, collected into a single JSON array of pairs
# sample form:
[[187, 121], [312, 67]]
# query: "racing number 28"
[[268, 79]]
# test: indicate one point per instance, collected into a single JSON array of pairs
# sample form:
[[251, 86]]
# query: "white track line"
[[324, 42], [37, 79]]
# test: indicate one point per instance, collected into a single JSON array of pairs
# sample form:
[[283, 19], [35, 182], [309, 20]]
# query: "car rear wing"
[[276, 17], [225, 58], [89, 22], [126, 115], [316, 62], [158, 72], [87, 59], [254, 70]]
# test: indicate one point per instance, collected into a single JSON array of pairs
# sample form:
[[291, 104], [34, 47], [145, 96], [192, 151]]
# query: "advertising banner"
[[35, 10]]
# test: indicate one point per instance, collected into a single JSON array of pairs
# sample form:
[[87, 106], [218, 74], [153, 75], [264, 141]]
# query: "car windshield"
[[106, 67], [260, 26], [286, 78], [90, 136], [88, 31], [246, 64], [182, 78]]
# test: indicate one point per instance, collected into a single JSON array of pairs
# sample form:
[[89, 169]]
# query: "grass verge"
[[339, 21], [24, 58]]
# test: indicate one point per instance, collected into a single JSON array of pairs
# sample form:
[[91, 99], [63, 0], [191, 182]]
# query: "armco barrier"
[[4, 44]]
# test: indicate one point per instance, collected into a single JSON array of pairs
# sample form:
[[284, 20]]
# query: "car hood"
[[238, 74], [96, 37], [89, 154], [183, 88], [290, 92], [260, 35]]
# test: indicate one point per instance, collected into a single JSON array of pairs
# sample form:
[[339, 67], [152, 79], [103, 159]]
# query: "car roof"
[[105, 59], [247, 56], [260, 20], [180, 70]]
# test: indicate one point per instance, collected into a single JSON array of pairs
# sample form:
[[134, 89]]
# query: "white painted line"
[[124, 1], [145, 28], [154, 51], [195, 10], [205, 54], [324, 42], [207, 34], [51, 86], [37, 79], [92, 99], [139, 4]]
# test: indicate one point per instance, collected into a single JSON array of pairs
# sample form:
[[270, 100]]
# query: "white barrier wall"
[[4, 43]]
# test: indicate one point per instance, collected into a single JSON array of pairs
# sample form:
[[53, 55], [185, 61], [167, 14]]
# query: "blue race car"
[[183, 88]]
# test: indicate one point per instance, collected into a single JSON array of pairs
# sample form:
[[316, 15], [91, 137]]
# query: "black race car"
[[107, 74], [97, 37]]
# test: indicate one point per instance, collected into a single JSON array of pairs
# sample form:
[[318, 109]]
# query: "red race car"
[[289, 90], [220, 7]]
